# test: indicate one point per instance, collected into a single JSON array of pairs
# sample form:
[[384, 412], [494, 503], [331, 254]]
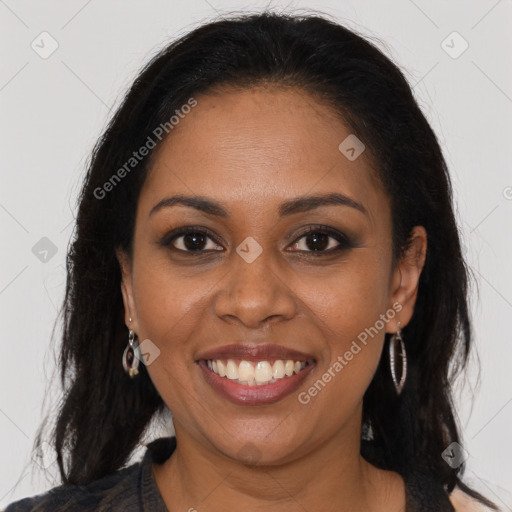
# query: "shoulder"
[[119, 487], [463, 503]]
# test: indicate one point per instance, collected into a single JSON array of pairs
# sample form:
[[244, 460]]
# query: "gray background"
[[54, 108]]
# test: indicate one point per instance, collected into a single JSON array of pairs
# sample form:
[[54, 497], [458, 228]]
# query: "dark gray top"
[[134, 489]]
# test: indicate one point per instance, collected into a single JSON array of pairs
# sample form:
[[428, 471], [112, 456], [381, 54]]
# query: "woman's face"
[[256, 277]]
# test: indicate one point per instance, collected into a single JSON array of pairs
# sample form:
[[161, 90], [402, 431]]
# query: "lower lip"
[[243, 394]]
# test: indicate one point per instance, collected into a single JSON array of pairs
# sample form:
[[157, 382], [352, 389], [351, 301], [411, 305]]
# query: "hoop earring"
[[131, 356], [397, 346]]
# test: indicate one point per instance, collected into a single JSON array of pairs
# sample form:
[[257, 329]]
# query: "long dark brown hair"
[[103, 413]]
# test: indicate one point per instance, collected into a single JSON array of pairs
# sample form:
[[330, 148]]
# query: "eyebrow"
[[298, 205]]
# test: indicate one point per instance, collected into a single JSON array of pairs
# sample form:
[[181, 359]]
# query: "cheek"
[[348, 307], [347, 310], [350, 298], [169, 312], [169, 306]]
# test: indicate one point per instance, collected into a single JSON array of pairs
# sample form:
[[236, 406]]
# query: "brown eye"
[[317, 241], [321, 240], [191, 240]]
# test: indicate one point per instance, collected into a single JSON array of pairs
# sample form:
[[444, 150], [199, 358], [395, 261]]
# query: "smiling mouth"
[[256, 373]]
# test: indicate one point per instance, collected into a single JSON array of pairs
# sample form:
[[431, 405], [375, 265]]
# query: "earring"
[[397, 346], [131, 356]]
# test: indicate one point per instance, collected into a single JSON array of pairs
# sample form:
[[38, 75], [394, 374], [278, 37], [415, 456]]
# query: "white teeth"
[[245, 371], [231, 370], [258, 373], [262, 372], [278, 369]]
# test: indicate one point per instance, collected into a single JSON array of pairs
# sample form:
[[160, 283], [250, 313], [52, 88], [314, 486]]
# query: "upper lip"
[[254, 352]]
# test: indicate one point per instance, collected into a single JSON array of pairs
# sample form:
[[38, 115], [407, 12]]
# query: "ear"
[[405, 278], [127, 289]]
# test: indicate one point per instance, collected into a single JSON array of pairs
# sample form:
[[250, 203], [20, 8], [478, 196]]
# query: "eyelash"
[[344, 241]]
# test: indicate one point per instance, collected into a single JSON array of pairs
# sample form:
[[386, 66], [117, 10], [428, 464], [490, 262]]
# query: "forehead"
[[259, 145]]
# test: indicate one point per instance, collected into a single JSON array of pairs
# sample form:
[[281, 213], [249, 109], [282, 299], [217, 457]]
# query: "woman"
[[266, 247]]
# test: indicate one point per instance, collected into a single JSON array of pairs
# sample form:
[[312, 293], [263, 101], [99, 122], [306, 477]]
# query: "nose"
[[254, 294]]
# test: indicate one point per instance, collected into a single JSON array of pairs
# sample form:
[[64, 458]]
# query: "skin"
[[251, 150]]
